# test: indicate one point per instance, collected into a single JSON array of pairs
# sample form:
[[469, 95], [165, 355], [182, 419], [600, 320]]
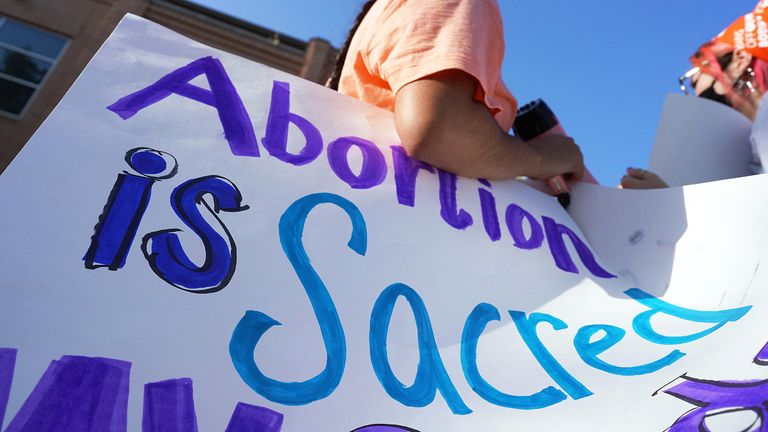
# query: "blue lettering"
[[643, 327], [527, 328], [473, 328], [589, 351], [254, 324], [431, 374]]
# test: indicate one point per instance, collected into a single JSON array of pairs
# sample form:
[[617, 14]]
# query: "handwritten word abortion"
[[120, 221], [239, 132], [118, 225]]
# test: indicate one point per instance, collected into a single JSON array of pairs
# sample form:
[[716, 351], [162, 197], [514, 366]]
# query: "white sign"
[[194, 241], [699, 140]]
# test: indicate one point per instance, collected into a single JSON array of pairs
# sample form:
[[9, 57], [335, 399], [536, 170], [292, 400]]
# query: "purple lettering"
[[251, 418], [7, 365], [514, 216], [384, 428], [490, 214], [169, 407], [555, 233], [374, 169], [280, 117], [238, 129], [78, 394], [715, 398], [454, 216], [762, 357], [406, 170]]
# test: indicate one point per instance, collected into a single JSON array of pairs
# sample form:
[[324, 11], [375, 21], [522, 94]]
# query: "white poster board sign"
[[193, 241], [699, 140]]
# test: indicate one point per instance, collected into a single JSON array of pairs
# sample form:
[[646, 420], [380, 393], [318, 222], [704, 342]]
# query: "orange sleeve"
[[418, 38]]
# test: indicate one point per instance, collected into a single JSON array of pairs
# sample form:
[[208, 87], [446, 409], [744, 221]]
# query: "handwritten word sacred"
[[119, 223]]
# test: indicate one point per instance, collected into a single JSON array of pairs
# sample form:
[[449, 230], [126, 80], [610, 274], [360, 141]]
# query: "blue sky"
[[603, 66]]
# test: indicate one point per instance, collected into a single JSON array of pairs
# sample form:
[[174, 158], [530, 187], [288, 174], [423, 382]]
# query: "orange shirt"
[[401, 41]]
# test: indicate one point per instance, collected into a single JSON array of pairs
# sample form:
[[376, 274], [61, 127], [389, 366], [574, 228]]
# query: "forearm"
[[465, 140], [440, 123]]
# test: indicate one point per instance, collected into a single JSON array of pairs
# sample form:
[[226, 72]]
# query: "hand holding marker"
[[535, 119]]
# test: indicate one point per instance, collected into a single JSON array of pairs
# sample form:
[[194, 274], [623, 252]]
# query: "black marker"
[[535, 119]]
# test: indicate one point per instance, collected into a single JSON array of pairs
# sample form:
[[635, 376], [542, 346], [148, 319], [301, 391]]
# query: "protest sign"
[[194, 241], [699, 140]]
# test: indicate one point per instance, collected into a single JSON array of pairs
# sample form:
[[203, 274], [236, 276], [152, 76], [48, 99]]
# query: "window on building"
[[27, 56]]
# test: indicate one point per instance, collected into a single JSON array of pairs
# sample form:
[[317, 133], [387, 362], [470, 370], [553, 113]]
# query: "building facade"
[[45, 44]]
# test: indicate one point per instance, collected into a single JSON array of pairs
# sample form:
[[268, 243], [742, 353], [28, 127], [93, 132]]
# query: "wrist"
[[527, 158]]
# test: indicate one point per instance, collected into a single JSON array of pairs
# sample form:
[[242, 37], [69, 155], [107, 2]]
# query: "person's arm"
[[439, 122]]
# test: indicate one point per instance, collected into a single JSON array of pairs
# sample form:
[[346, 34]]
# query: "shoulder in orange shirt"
[[401, 41]]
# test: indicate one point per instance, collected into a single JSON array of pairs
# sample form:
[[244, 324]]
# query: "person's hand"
[[559, 156], [638, 178]]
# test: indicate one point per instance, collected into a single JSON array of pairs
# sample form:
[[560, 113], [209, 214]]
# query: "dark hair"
[[333, 81], [725, 60]]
